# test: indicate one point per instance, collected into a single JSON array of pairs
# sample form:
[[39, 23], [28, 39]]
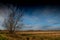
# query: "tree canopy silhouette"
[[13, 22]]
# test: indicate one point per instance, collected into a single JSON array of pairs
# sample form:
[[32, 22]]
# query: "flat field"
[[31, 35]]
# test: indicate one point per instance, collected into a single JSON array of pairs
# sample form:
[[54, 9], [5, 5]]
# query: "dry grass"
[[32, 35]]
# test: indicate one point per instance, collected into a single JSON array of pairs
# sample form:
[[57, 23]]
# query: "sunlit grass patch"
[[3, 38]]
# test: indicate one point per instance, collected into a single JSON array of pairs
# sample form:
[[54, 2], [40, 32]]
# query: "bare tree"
[[14, 19]]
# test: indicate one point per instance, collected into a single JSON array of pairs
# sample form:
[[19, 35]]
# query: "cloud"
[[1, 22], [36, 21], [33, 27], [52, 21], [55, 27], [3, 14], [31, 19], [39, 27]]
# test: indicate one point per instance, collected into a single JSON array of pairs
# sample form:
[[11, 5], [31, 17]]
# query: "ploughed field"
[[31, 35]]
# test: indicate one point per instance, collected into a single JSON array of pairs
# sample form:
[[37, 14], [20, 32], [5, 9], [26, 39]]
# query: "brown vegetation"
[[32, 35]]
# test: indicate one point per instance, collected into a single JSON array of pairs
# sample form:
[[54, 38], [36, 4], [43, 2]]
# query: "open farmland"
[[32, 35]]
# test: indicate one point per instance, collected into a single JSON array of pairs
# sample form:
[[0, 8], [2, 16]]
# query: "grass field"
[[30, 35]]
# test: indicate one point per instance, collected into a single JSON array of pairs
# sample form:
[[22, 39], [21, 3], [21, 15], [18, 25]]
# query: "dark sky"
[[38, 15]]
